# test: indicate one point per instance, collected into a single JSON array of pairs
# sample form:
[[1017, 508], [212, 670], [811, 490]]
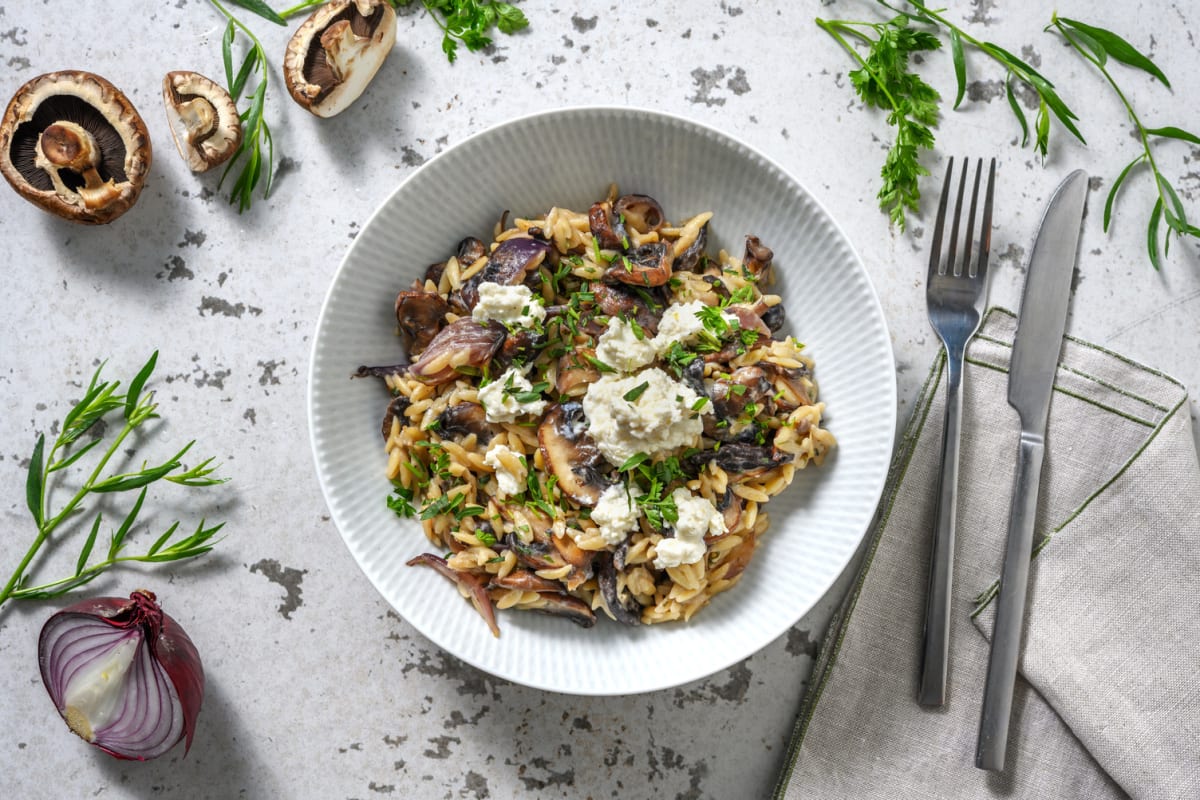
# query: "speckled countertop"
[[315, 687]]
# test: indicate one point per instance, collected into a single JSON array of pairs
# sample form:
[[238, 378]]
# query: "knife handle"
[[991, 748], [935, 645]]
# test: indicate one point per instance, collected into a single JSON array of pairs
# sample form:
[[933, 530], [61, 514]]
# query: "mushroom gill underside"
[[67, 108]]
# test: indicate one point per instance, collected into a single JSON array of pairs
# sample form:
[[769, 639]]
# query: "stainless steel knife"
[[1040, 327]]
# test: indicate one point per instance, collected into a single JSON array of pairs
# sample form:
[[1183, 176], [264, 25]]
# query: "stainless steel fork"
[[955, 293]]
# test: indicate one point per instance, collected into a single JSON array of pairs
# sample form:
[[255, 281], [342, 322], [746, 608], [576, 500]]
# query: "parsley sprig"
[[1097, 45], [100, 401], [470, 21]]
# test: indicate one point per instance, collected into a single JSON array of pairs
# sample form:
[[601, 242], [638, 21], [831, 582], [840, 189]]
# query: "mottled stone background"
[[316, 688]]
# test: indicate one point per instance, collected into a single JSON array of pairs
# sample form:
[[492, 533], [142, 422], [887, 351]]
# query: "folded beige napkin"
[[1108, 698]]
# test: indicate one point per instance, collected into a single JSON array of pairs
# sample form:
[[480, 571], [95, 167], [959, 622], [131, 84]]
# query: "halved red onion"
[[123, 674]]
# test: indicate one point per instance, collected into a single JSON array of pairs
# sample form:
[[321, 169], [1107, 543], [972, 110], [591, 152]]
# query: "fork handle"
[[1010, 608], [935, 647]]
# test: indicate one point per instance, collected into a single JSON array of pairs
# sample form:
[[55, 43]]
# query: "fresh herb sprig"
[[470, 21], [884, 81], [1097, 45], [256, 131], [136, 408]]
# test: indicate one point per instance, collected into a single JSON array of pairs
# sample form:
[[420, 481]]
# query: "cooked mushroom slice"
[[568, 607], [579, 559], [690, 259], [606, 227], [757, 259], [537, 554], [507, 265], [640, 212], [748, 320], [204, 119], [644, 306], [395, 408], [575, 373], [420, 316], [606, 576], [336, 52], [381, 371], [571, 454], [462, 347], [472, 584], [524, 580], [648, 265], [72, 144], [469, 251], [740, 458], [730, 506], [792, 387], [739, 557], [521, 344], [466, 419], [774, 317], [746, 385]]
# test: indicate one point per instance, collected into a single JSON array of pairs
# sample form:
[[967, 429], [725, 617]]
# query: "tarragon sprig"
[[136, 408], [1097, 45]]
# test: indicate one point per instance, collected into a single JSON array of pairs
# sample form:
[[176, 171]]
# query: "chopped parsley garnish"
[[599, 365], [486, 538], [400, 502], [633, 394]]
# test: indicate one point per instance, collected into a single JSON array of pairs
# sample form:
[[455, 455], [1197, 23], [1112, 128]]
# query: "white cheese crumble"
[[511, 305], [697, 518], [681, 323], [498, 401], [507, 482], [616, 513], [621, 349], [659, 417]]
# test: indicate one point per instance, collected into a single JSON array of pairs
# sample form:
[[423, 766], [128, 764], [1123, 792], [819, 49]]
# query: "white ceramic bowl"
[[568, 158]]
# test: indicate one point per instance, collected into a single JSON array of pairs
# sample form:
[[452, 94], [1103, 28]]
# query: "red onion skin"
[[169, 645]]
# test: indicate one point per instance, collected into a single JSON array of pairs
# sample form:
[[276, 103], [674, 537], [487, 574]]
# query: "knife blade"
[[1041, 323]]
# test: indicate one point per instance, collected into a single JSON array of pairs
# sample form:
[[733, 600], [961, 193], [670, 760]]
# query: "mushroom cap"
[[336, 52], [204, 119], [96, 116]]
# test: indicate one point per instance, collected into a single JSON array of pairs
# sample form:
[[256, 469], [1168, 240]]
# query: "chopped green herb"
[[633, 394], [599, 365]]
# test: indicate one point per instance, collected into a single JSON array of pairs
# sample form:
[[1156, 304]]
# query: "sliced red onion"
[[123, 674]]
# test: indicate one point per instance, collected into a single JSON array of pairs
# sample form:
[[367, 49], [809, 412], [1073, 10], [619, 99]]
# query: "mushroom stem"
[[67, 145], [198, 117], [342, 46]]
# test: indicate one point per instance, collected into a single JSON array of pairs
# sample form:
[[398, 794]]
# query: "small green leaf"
[[1118, 48], [1112, 193], [633, 394], [71, 459], [960, 65], [33, 481], [87, 547], [1152, 234], [238, 83], [1077, 37], [1018, 112], [633, 462], [262, 9], [1175, 213], [227, 51], [135, 387], [158, 543], [1171, 132]]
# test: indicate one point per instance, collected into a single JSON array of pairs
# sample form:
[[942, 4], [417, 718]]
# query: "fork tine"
[[935, 252], [985, 233], [951, 264], [967, 267]]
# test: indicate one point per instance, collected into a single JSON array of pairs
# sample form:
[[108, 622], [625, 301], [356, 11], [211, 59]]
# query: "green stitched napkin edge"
[[831, 643]]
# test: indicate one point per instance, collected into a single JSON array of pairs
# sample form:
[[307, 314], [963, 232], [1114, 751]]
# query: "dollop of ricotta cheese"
[[681, 323], [621, 349], [511, 305], [507, 483], [498, 401], [659, 417], [616, 513], [697, 518]]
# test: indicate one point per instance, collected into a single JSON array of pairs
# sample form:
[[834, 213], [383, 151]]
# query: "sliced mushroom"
[[575, 373], [730, 506], [507, 265], [420, 315], [691, 259], [537, 554], [731, 396], [204, 119], [741, 459], [336, 52], [571, 454], [774, 317], [607, 227], [72, 144], [524, 580], [642, 305], [522, 344], [793, 387], [640, 212], [739, 557], [758, 257], [626, 613], [648, 265], [568, 607], [395, 408], [473, 584], [579, 559], [381, 371], [462, 347], [466, 419]]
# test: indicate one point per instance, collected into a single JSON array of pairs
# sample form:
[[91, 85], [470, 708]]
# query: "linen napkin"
[[1108, 697]]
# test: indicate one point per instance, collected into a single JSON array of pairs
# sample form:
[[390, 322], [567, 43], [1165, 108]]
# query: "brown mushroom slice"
[[463, 347], [567, 607], [336, 52], [203, 118], [692, 259], [420, 315], [575, 373], [740, 459], [537, 554], [626, 613], [521, 344], [640, 212], [730, 506], [473, 584], [792, 386], [570, 453], [507, 265], [644, 306], [607, 227], [526, 581], [72, 144], [579, 559], [745, 385], [739, 557], [758, 257], [395, 408], [466, 419], [648, 265]]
